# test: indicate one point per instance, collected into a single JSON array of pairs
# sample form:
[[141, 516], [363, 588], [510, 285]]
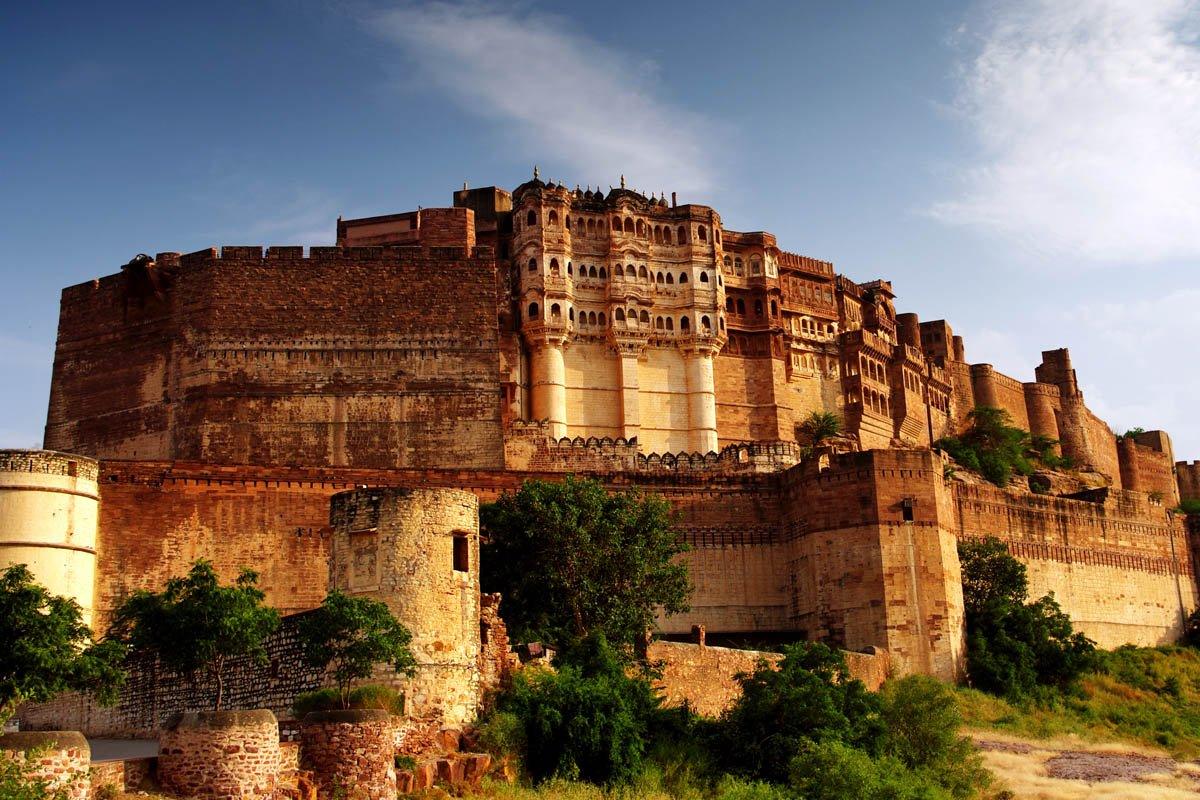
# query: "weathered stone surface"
[[350, 753], [61, 758], [222, 755]]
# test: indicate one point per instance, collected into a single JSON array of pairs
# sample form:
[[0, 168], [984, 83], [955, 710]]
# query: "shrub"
[[17, 784], [809, 697], [586, 721], [832, 770], [1014, 646], [921, 723], [819, 426], [1191, 629], [1190, 506], [996, 449], [330, 699]]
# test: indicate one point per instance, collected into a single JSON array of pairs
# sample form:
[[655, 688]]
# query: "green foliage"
[[572, 559], [1013, 646], [587, 721], [369, 696], [47, 649], [1132, 433], [832, 770], [195, 624], [921, 722], [809, 697], [350, 635], [996, 449], [1190, 506], [819, 426], [16, 782], [1191, 629], [1147, 696]]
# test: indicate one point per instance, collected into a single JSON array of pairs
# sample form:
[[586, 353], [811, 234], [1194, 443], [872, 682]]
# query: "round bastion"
[[49, 504], [220, 755], [417, 551], [60, 758]]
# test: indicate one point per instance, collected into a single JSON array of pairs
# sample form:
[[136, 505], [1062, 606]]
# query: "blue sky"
[[1028, 169]]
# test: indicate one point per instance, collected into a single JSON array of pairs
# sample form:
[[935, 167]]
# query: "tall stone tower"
[[417, 550], [49, 503]]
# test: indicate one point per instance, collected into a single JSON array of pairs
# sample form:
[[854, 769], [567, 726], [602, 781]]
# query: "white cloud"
[[1087, 117], [571, 101]]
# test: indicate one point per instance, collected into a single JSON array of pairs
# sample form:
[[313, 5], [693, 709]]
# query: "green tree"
[[197, 625], [1014, 646], [587, 720], [809, 697], [572, 559], [819, 426], [350, 635], [992, 446], [47, 649]]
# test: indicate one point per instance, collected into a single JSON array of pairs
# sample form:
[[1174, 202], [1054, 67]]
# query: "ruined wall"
[[1120, 567], [704, 676], [365, 357]]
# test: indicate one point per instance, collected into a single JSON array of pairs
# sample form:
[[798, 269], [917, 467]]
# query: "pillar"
[[702, 400], [550, 385], [631, 409]]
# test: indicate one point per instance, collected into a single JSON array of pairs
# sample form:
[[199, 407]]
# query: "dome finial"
[[622, 181], [536, 172]]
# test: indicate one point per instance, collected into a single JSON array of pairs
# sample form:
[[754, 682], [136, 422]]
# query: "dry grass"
[[1024, 774]]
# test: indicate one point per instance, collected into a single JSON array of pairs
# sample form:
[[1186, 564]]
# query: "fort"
[[214, 404]]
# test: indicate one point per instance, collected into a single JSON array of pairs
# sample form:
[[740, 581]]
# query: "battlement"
[[801, 263], [49, 462]]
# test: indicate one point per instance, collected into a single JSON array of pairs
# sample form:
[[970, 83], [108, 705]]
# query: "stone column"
[[549, 379], [702, 397], [631, 409]]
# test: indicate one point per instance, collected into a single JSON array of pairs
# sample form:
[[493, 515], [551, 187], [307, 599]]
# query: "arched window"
[[533, 265], [755, 266], [704, 277], [555, 312], [774, 309], [758, 308], [630, 272], [670, 279], [684, 324], [658, 323], [729, 304], [603, 274], [533, 310], [601, 319], [616, 223], [554, 266], [592, 271], [670, 324], [570, 270], [658, 278], [683, 277], [567, 222], [702, 233], [658, 234], [722, 324], [531, 218], [591, 227], [682, 234], [641, 228], [629, 225], [728, 261], [741, 306], [619, 315], [645, 317], [642, 273], [571, 314], [667, 235], [738, 268], [553, 219], [705, 323], [591, 318]]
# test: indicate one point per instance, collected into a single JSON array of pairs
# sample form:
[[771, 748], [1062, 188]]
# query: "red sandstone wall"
[[364, 357]]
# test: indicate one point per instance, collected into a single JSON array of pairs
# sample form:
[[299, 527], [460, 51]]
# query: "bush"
[[831, 770], [921, 723], [1013, 646], [809, 697], [330, 699], [1190, 506], [996, 449], [17, 784], [587, 721]]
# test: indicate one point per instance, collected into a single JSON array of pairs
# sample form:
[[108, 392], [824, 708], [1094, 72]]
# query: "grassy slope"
[[1148, 696]]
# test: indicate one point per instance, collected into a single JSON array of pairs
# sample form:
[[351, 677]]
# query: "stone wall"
[[351, 356], [61, 758], [350, 753], [1188, 475], [705, 677], [226, 755]]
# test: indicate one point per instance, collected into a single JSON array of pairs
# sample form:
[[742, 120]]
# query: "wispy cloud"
[[571, 100], [1087, 118]]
